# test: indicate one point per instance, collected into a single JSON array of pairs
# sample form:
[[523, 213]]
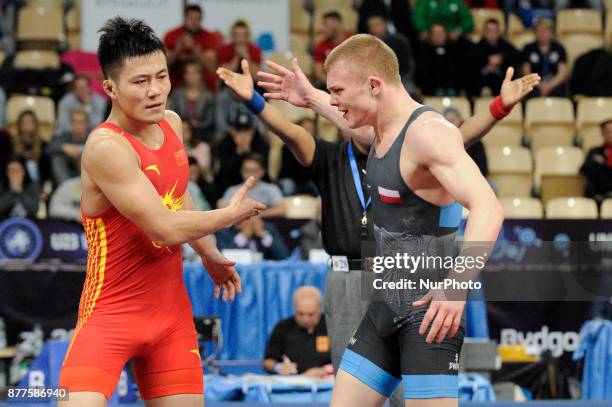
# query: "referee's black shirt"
[[341, 210]]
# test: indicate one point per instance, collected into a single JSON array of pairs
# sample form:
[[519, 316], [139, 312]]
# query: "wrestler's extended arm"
[[511, 92], [293, 87], [300, 142], [221, 270], [113, 166]]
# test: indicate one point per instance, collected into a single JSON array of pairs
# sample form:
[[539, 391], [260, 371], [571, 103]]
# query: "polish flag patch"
[[389, 196]]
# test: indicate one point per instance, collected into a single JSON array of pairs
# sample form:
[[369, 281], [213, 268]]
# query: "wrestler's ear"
[[375, 85], [109, 88]]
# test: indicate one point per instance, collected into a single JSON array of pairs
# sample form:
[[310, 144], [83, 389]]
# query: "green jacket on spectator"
[[453, 14]]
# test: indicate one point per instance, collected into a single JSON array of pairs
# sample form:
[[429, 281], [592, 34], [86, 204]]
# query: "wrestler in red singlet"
[[137, 213], [134, 303]]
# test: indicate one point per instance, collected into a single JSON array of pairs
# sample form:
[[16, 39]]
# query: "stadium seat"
[[59, 4], [441, 103], [606, 209], [40, 24], [2, 56], [42, 106], [578, 21], [554, 163], [591, 140], [73, 20], [327, 130], [299, 18], [571, 208], [318, 4], [510, 170], [515, 25], [481, 15], [522, 208], [519, 40], [549, 122], [578, 44], [302, 207], [299, 43], [349, 19], [507, 132], [37, 59], [590, 113]]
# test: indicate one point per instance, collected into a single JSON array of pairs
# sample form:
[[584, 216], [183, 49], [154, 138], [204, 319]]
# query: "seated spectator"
[[194, 103], [256, 235], [81, 97], [243, 139], [195, 179], [476, 150], [300, 345], [398, 12], [494, 55], [592, 75], [597, 166], [18, 194], [28, 144], [66, 147], [333, 35], [241, 47], [192, 42], [265, 192], [454, 15], [377, 26], [437, 67], [530, 11], [200, 153], [66, 201], [548, 58], [292, 177]]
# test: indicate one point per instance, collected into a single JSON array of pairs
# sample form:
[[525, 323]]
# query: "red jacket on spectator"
[[226, 53], [324, 47]]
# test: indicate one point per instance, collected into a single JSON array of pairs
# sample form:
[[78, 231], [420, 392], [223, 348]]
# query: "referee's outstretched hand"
[[283, 84], [240, 83]]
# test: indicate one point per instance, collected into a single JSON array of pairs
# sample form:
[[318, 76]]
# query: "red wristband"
[[498, 110]]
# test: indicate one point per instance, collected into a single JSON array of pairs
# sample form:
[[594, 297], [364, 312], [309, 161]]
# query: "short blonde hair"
[[369, 56]]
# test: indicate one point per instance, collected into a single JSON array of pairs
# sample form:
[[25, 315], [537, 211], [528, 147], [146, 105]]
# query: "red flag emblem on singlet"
[[181, 157], [389, 196]]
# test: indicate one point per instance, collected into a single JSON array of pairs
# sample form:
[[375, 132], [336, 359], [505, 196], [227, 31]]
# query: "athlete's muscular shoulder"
[[104, 148], [175, 122], [433, 139]]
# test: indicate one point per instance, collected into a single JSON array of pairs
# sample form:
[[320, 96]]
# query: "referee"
[[338, 171]]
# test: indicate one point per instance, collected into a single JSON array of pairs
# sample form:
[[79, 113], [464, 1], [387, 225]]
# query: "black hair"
[[258, 158], [378, 15], [193, 7], [122, 39], [492, 21], [333, 14]]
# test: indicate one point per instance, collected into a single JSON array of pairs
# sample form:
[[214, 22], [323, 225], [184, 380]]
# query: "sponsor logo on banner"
[[20, 239], [556, 342]]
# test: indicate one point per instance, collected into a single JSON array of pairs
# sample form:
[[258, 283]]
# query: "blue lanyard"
[[356, 178]]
